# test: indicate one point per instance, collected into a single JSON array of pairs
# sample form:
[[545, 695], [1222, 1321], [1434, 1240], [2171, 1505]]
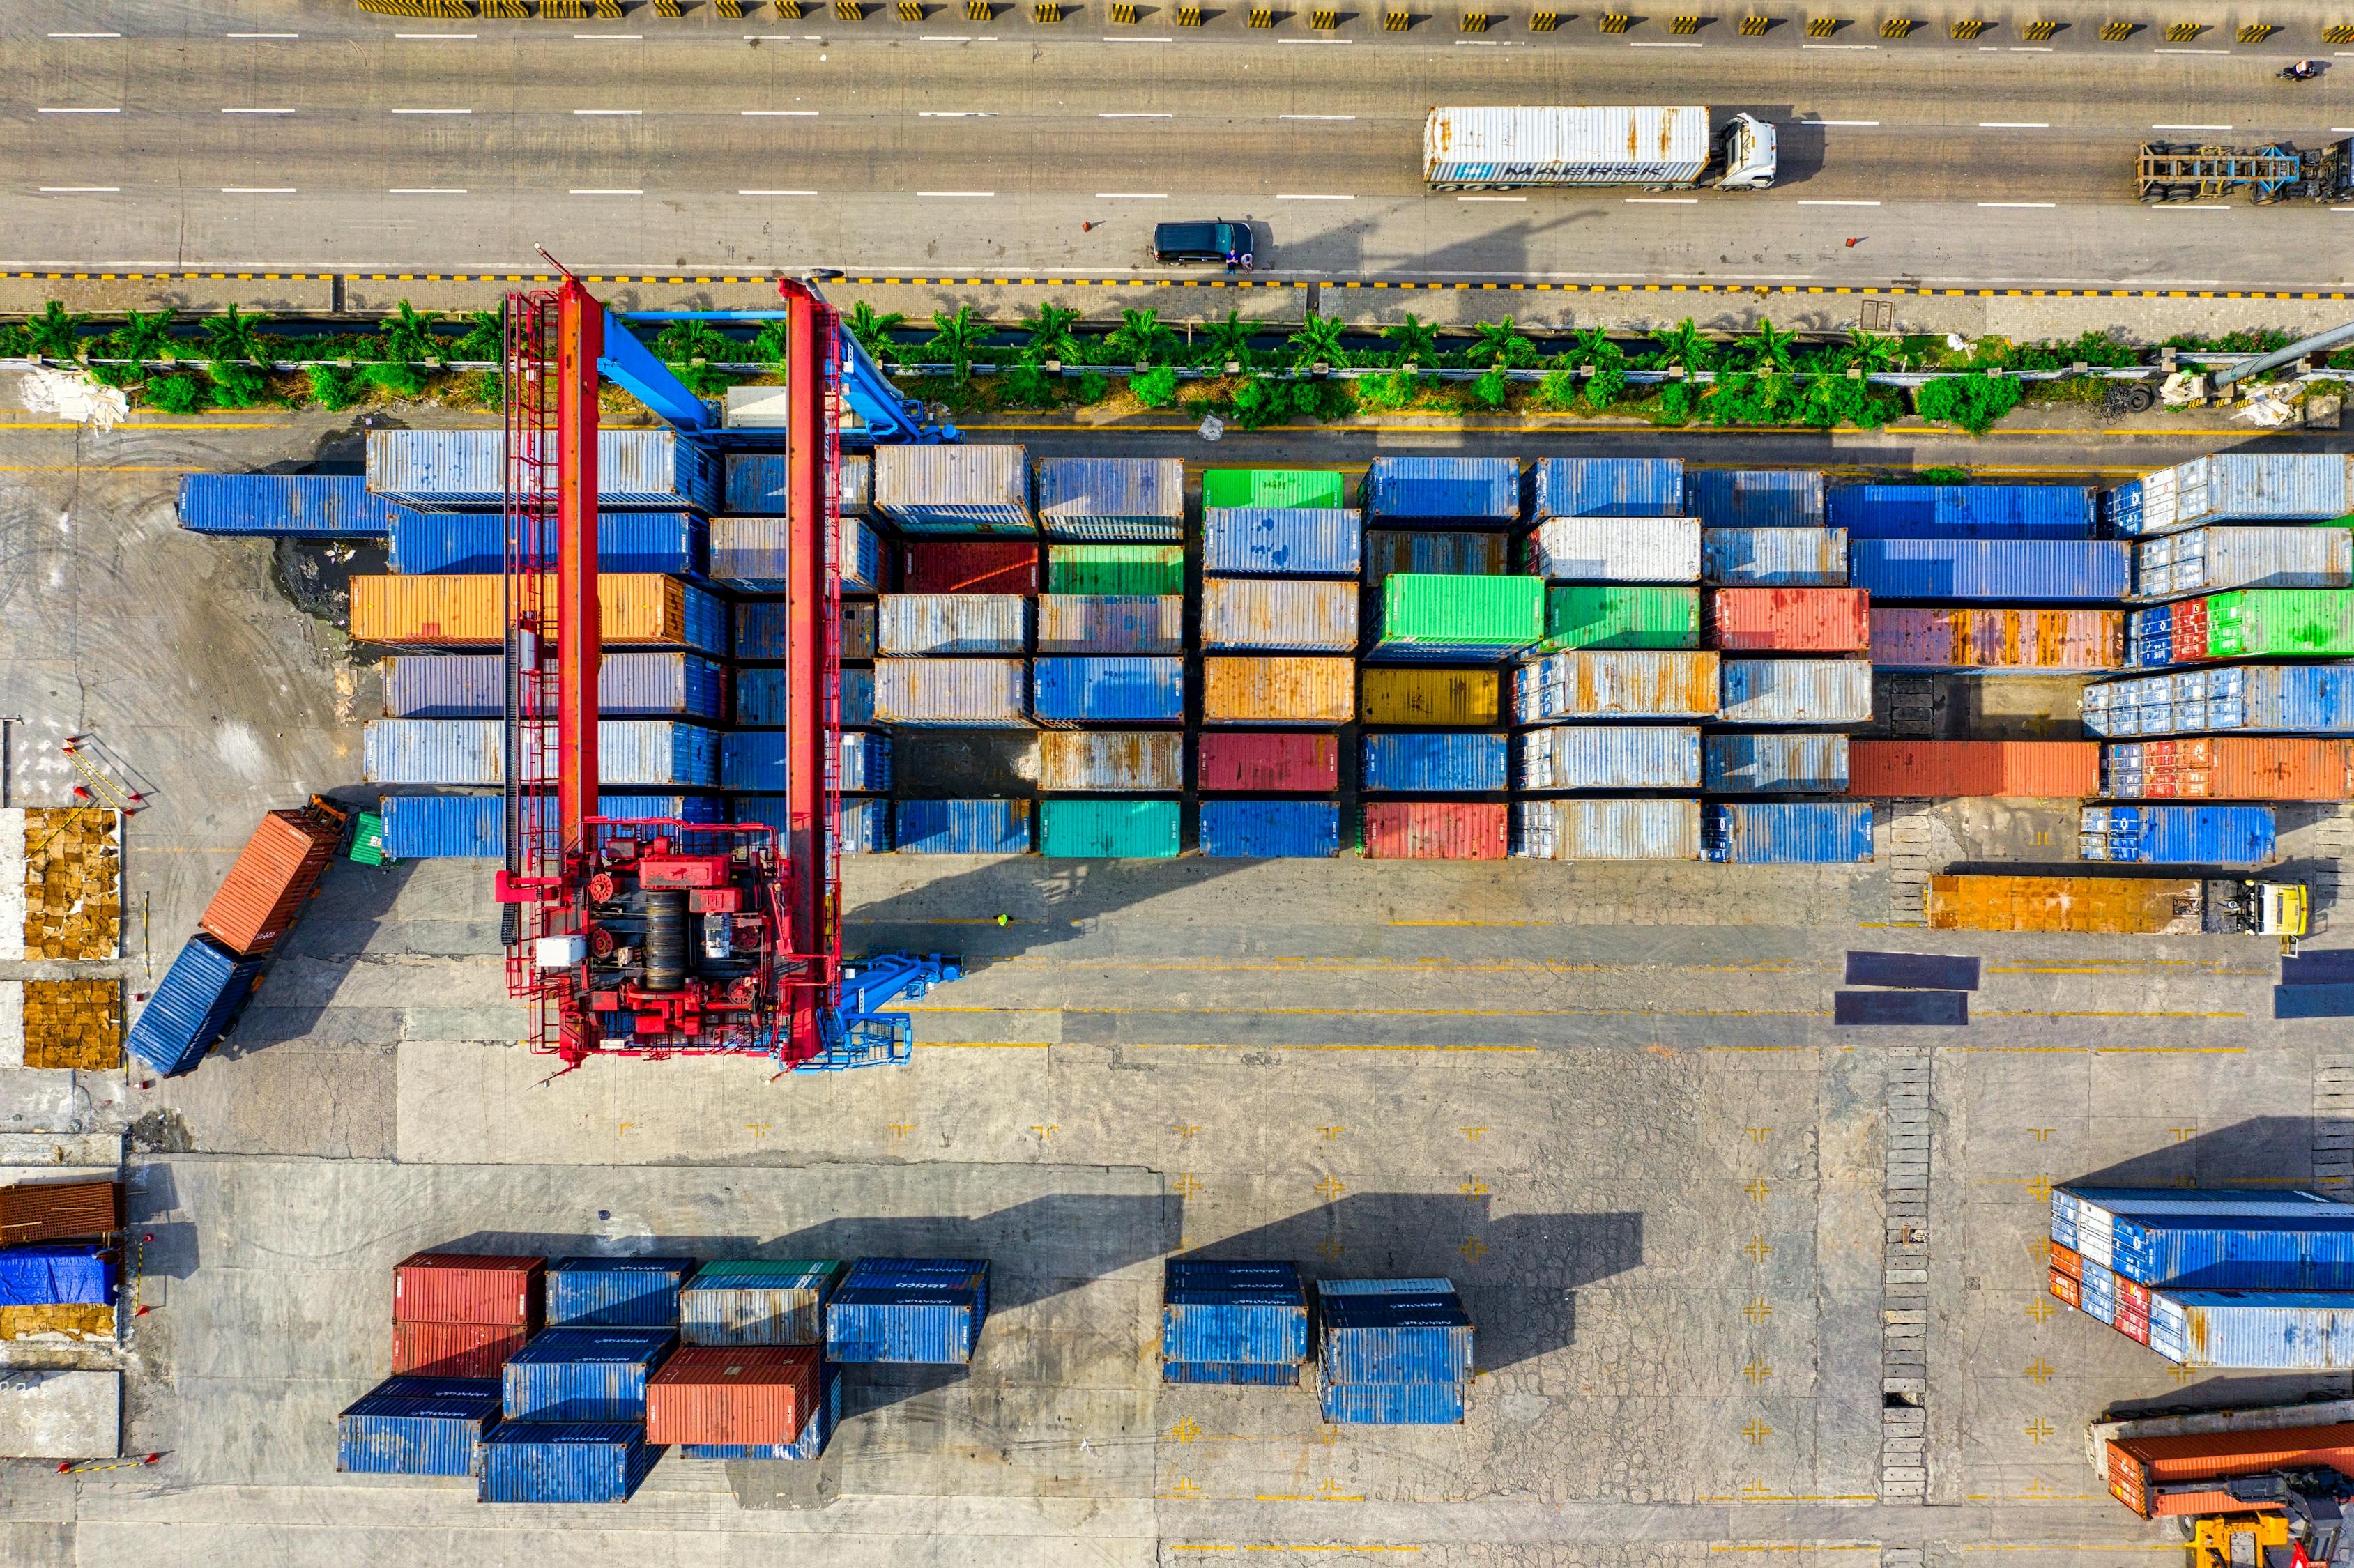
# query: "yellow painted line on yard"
[[2064, 1012], [1282, 1045]]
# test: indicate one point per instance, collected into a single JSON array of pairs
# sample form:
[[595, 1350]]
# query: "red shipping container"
[[1435, 829], [1243, 760], [2137, 1464], [2131, 1292], [969, 565], [732, 1393], [2132, 1324], [1789, 620], [2067, 1289], [2066, 1260], [469, 1288], [454, 1350], [2187, 629], [2247, 767], [2046, 770], [272, 875]]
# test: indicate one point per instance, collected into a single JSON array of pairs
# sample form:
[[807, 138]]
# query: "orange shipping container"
[[1280, 690], [2238, 768], [2101, 905], [58, 1211], [747, 1394], [1435, 829], [2067, 1261], [2048, 770], [2067, 1289], [453, 611], [2135, 1465], [275, 871], [454, 1350], [1789, 620]]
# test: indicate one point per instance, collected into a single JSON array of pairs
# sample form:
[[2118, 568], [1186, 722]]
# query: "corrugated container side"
[[550, 1462], [756, 483], [2228, 486], [963, 827], [1565, 146], [732, 1394], [1582, 829], [1796, 691], [1232, 1374], [1391, 1403], [387, 1432], [2290, 623], [2201, 559], [1394, 1334], [1238, 761], [1996, 639], [1282, 541], [926, 623], [470, 1351], [1121, 569], [271, 879], [1270, 830], [1788, 832], [758, 1302], [1111, 623], [2097, 906], [2271, 1329], [502, 1289], [1144, 760], [2048, 770], [1961, 511], [1110, 830], [1756, 498], [1614, 549], [1444, 490], [1278, 614], [464, 827], [296, 505], [904, 1322], [969, 565], [2231, 767], [1621, 616], [751, 554], [761, 698], [1112, 498], [1418, 697], [1609, 756], [471, 751], [967, 488], [2180, 836], [2090, 571], [615, 1292], [629, 685], [1616, 684], [1435, 554], [671, 543], [977, 693], [1291, 488], [1109, 690], [584, 1374], [1434, 830], [1256, 1314], [1411, 762], [810, 1444], [2314, 698], [1773, 557], [1789, 620], [1282, 689], [193, 1006], [1777, 764], [457, 611], [1425, 617], [1606, 487], [651, 468]]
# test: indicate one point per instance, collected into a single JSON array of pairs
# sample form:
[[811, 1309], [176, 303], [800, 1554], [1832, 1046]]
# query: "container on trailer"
[[1608, 757], [271, 878], [924, 1310], [962, 827], [734, 1395], [57, 1273], [986, 693], [1470, 491], [751, 555], [763, 698], [814, 1436], [1434, 830], [1460, 554], [650, 468], [1280, 761], [473, 827], [1787, 832], [1432, 762], [1108, 761], [37, 1210], [1079, 828], [1119, 569], [1319, 488], [193, 1006], [1606, 487], [1789, 620], [1110, 689], [965, 488], [2180, 836], [2081, 571], [2229, 767], [634, 609], [1459, 618], [2234, 486], [1620, 615], [2200, 560], [1755, 497], [2139, 1469], [1393, 1331], [1961, 511], [2104, 906], [629, 685], [1578, 828], [472, 751], [1111, 623], [1567, 146], [420, 543], [1616, 683], [1996, 639], [1112, 498], [1284, 689], [1233, 1314], [749, 1301], [292, 506], [942, 623], [2044, 769], [584, 1374], [454, 1350], [1391, 1404], [1278, 614], [1796, 691], [969, 565], [427, 1430], [1282, 541], [2313, 698], [504, 1290], [558, 1462], [615, 1292], [1271, 829], [1614, 550], [1801, 764], [1420, 697], [1773, 557]]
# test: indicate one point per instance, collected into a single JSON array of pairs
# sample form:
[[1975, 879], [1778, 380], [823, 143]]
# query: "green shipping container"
[[1116, 568], [1107, 830], [1421, 609], [2289, 622], [1272, 487], [1621, 616]]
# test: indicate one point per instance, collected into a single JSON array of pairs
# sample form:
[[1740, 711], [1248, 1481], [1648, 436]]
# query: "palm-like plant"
[[233, 335], [1592, 346], [1417, 340], [144, 335], [956, 338], [406, 334], [486, 337], [56, 333], [872, 328], [1872, 353], [1769, 345], [1685, 344], [1050, 335], [682, 343], [1501, 342], [1139, 337], [1230, 340], [1318, 340]]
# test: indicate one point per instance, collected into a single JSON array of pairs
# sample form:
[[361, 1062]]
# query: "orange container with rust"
[[2067, 1261], [2067, 1289], [732, 1394], [1279, 689], [1789, 620], [2042, 770], [273, 875], [459, 610], [454, 1350], [2137, 1466]]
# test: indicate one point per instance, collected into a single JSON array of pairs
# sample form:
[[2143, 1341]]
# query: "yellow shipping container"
[[1288, 689], [458, 610], [2104, 905], [1422, 698]]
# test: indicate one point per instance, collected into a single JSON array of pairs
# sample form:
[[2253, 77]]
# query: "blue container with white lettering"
[[286, 505], [584, 1374], [1434, 762], [963, 827], [1270, 830], [925, 1311], [416, 1426], [615, 1292], [557, 1462]]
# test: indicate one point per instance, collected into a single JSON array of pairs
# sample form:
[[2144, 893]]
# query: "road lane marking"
[[1304, 196], [1828, 203], [977, 195], [2014, 125], [1131, 196], [604, 190], [779, 113], [257, 190], [2190, 127], [1491, 198], [608, 112], [79, 111], [1134, 114], [110, 190], [776, 193], [1663, 201], [2018, 204], [432, 112], [427, 190]]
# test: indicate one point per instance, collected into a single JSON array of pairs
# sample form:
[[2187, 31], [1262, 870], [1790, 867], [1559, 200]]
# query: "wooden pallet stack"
[[74, 1023], [73, 883]]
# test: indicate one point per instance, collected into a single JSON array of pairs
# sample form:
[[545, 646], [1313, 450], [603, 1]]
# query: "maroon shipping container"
[[732, 1394], [969, 565], [1435, 829], [1245, 760], [273, 875], [453, 1350], [468, 1288], [1789, 620]]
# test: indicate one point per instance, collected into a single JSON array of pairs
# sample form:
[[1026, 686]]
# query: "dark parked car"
[[1202, 244]]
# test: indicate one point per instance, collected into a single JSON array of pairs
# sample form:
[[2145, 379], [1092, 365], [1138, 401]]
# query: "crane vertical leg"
[[581, 339], [812, 612]]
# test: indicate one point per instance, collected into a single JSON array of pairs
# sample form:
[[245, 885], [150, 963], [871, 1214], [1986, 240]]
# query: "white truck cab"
[[1747, 149]]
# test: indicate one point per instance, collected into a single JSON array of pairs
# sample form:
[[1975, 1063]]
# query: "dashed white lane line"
[[2027, 204], [779, 113], [427, 190], [110, 190], [1826, 202], [78, 111], [1131, 196], [1310, 195]]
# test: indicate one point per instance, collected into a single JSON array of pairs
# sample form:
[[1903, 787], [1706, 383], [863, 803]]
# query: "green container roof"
[[1488, 612], [1116, 568], [1109, 830], [768, 1268], [1272, 487], [1621, 616], [2253, 623]]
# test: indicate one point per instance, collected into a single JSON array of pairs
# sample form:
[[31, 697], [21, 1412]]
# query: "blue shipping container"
[[1391, 1403], [963, 827], [1755, 497], [2049, 571], [548, 1462], [1444, 490], [1270, 830], [761, 698], [296, 506], [865, 826], [57, 1273], [2180, 836], [2271, 1329], [816, 1432], [2312, 699], [1961, 511], [1230, 1314], [1773, 557], [758, 484], [2254, 487], [2149, 637], [751, 555], [630, 683], [584, 1374], [2249, 1252], [925, 1311], [756, 760], [473, 827], [194, 1005], [396, 1431], [1433, 762], [615, 1292], [1775, 765], [1282, 541], [1395, 1331], [1837, 833], [1607, 487], [1110, 689], [421, 543]]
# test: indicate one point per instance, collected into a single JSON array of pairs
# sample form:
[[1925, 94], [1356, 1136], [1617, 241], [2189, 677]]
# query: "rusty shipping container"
[[1307, 615], [969, 565], [457, 611], [1435, 829], [58, 1211], [2007, 638], [1424, 698], [454, 1350], [1286, 761], [1788, 620], [1288, 689], [732, 1394], [2041, 769], [504, 1290], [2098, 906], [1112, 762], [1616, 683], [2136, 1466], [2229, 767], [271, 877]]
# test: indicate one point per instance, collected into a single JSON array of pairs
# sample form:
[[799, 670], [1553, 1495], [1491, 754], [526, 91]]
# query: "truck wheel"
[[2141, 398]]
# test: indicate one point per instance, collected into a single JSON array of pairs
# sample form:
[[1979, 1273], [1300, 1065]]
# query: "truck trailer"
[[1658, 148], [2192, 171], [2119, 905]]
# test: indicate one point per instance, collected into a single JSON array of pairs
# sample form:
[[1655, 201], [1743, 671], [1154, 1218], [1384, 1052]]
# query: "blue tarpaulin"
[[74, 1274]]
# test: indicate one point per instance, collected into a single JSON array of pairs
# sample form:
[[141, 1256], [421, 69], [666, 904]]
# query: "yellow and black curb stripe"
[[1900, 290]]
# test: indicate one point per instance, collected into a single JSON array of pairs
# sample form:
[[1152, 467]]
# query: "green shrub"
[[177, 393], [1094, 387], [237, 384], [1026, 384], [1558, 390], [1610, 376], [1260, 402], [1155, 388], [1491, 389], [1325, 400], [1387, 393], [1674, 405], [1974, 401], [393, 377], [331, 389], [1944, 474]]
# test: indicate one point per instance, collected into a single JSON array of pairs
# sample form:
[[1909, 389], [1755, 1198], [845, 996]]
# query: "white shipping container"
[[964, 488], [1615, 549], [1560, 146], [1796, 691], [2206, 560], [1111, 623], [1111, 761], [1603, 684], [1275, 614], [909, 624], [1608, 757], [986, 693], [1606, 830]]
